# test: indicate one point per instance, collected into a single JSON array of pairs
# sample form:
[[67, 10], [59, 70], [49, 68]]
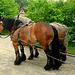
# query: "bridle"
[[2, 24], [17, 38], [2, 33], [11, 34]]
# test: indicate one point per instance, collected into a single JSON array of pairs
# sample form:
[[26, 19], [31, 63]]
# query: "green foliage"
[[5, 32], [71, 48], [51, 11], [8, 8], [42, 10], [70, 37], [69, 17], [69, 13]]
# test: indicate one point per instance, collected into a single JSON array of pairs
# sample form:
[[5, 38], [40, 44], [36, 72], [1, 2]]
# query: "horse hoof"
[[30, 57], [57, 66], [64, 58], [23, 57], [47, 67], [17, 61]]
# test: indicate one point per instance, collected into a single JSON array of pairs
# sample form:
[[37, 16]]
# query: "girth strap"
[[20, 40], [20, 29]]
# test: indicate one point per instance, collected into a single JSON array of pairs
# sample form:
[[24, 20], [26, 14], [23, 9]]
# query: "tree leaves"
[[8, 8], [51, 11]]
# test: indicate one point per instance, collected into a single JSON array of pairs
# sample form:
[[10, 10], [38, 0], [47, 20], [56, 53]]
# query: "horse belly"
[[32, 37], [33, 40]]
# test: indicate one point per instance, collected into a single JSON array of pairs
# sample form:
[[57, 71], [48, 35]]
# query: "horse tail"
[[55, 44], [55, 49]]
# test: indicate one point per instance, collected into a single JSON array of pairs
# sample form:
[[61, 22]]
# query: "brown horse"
[[62, 30], [27, 21], [42, 32], [63, 41]]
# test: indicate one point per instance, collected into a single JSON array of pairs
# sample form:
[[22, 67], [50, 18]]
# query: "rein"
[[5, 36]]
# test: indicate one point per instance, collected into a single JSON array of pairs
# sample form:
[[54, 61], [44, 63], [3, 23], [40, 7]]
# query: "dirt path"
[[29, 67]]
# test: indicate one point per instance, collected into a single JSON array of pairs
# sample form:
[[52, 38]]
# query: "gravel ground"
[[29, 67]]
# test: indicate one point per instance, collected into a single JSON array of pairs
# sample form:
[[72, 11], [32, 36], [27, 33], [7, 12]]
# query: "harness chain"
[[68, 54]]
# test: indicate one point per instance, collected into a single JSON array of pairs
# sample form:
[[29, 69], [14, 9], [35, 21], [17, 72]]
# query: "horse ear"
[[18, 16]]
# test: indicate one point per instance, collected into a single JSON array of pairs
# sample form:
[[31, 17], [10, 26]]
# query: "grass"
[[5, 32], [71, 48]]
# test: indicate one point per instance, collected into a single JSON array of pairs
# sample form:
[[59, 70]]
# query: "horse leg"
[[23, 56], [56, 63], [31, 53], [49, 59], [18, 58], [64, 51], [36, 52]]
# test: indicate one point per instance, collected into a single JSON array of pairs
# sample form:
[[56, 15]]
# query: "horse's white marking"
[[0, 21]]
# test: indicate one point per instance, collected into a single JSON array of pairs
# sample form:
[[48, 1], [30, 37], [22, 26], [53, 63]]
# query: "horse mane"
[[10, 22], [17, 23]]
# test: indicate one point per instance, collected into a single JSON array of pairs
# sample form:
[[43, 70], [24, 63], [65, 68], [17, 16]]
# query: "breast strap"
[[20, 29]]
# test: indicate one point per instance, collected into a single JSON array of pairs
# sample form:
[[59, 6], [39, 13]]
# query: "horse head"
[[9, 24]]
